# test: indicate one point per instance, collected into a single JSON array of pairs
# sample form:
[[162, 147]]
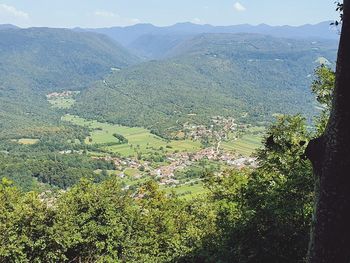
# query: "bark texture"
[[330, 156]]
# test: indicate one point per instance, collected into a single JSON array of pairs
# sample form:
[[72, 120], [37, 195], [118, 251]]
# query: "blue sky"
[[102, 13]]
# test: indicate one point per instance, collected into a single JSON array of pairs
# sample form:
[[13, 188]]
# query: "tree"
[[277, 201], [323, 88], [26, 227], [330, 155]]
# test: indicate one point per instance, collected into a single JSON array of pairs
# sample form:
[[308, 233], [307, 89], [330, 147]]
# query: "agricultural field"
[[246, 145], [62, 103], [140, 140], [187, 191]]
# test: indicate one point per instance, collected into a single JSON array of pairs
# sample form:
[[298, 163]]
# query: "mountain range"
[[161, 75], [153, 42]]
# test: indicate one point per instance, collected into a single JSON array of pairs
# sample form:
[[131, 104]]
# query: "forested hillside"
[[251, 77], [36, 61]]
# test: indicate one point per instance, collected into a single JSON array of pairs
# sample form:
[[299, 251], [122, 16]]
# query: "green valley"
[[251, 77], [179, 144], [204, 107], [140, 140], [177, 164]]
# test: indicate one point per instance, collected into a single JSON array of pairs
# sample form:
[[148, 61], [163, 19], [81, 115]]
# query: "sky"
[[107, 13]]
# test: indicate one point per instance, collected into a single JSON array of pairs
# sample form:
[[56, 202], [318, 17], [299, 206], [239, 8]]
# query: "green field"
[[131, 172], [245, 145], [62, 103], [187, 191], [140, 140]]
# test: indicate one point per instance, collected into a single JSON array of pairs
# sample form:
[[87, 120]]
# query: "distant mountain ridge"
[[138, 37], [155, 42], [126, 35], [7, 26]]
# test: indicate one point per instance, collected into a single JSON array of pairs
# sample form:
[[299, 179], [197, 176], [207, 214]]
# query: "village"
[[169, 164], [165, 173], [218, 129]]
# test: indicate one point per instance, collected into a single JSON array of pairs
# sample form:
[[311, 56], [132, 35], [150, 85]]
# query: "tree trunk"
[[330, 156]]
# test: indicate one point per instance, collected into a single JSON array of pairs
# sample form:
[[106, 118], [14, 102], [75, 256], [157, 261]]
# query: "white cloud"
[[106, 14], [239, 7], [196, 20], [8, 10]]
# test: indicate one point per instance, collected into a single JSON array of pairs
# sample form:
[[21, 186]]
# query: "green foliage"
[[25, 227], [93, 222], [323, 87], [121, 138], [99, 223], [34, 171], [57, 159], [279, 197], [264, 215], [340, 9]]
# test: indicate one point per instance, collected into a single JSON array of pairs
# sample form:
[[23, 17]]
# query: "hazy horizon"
[[98, 14], [176, 23]]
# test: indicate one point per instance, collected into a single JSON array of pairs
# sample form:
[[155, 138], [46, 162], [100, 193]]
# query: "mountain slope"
[[36, 61], [59, 57], [156, 46], [7, 26], [248, 76]]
